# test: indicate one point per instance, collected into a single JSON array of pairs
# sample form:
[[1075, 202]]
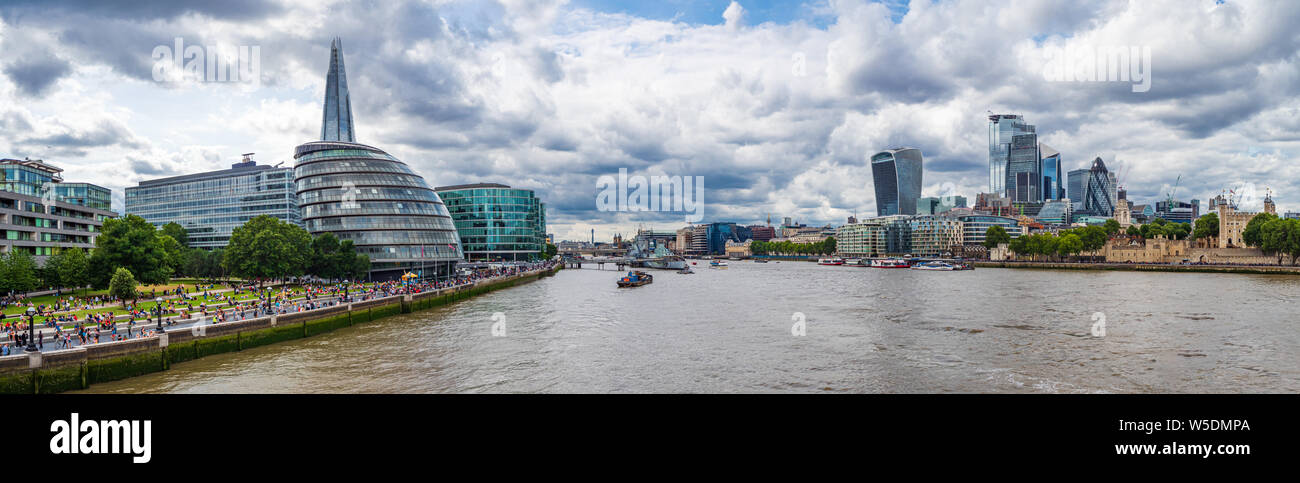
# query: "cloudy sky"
[[776, 104]]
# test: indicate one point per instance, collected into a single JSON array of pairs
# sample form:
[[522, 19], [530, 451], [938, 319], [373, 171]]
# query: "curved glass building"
[[363, 194], [896, 174], [497, 222]]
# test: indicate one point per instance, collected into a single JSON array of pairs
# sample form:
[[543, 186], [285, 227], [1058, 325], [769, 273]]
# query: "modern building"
[[363, 194], [1077, 180], [934, 205], [874, 237], [211, 205], [935, 235], [1024, 170], [1053, 174], [1003, 128], [1055, 212], [716, 236], [1099, 195], [975, 227], [897, 177], [1178, 211], [762, 232], [40, 213], [496, 222]]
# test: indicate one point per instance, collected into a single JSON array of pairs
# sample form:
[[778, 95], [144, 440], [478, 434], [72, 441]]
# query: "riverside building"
[[209, 206], [496, 222], [40, 213], [363, 194]]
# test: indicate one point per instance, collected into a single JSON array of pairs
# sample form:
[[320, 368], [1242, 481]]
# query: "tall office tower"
[[1024, 170], [1100, 196], [896, 174], [363, 194], [336, 122], [1078, 179], [1002, 129], [1053, 185]]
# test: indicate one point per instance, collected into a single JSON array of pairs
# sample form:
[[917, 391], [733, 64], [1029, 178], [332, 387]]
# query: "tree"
[[325, 257], [129, 242], [1252, 236], [1112, 227], [122, 285], [73, 267], [1281, 236], [1093, 237], [18, 272], [1069, 244], [175, 253], [829, 245], [360, 267], [1133, 230], [1207, 226], [995, 235], [552, 250], [266, 247], [178, 233]]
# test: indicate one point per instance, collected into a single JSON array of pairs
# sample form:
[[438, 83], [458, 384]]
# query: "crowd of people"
[[235, 303]]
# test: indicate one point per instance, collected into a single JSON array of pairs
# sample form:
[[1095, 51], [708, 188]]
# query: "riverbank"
[[80, 367], [1142, 267]]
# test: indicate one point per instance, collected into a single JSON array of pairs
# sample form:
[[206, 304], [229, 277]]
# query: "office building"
[[495, 221], [1003, 128], [1178, 211], [896, 174], [1024, 170], [40, 213], [934, 205], [1053, 174], [1099, 194], [975, 227], [209, 206], [1056, 212], [363, 194], [935, 235]]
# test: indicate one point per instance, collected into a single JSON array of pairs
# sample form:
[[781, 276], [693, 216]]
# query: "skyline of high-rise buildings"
[[897, 177]]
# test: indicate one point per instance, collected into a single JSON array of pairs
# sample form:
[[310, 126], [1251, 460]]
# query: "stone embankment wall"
[[78, 368]]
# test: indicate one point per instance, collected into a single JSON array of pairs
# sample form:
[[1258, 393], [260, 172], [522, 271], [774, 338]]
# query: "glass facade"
[[1024, 170], [1002, 130], [211, 205], [40, 214], [1053, 183], [1099, 195], [896, 174], [496, 222], [336, 119], [363, 194]]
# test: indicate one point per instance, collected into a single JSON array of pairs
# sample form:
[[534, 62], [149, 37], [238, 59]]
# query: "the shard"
[[336, 124]]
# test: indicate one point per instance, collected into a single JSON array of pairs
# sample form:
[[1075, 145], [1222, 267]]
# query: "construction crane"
[[1169, 200]]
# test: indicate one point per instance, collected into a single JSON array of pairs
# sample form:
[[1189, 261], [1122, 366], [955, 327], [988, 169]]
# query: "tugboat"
[[635, 278]]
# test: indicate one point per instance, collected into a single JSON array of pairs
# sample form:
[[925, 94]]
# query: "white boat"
[[717, 264], [888, 263], [830, 261], [853, 261], [937, 266]]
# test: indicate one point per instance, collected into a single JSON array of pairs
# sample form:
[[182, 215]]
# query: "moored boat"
[[889, 263], [935, 266], [830, 261]]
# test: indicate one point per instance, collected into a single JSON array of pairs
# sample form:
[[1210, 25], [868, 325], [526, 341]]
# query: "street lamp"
[[158, 306], [31, 329]]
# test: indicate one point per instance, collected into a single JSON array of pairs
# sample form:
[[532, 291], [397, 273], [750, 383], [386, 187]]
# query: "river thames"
[[866, 331]]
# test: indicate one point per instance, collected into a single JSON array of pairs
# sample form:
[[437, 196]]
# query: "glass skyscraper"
[[39, 213], [496, 222], [1024, 170], [1099, 195], [363, 194], [336, 120], [211, 205], [1053, 185], [1002, 130], [896, 174]]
